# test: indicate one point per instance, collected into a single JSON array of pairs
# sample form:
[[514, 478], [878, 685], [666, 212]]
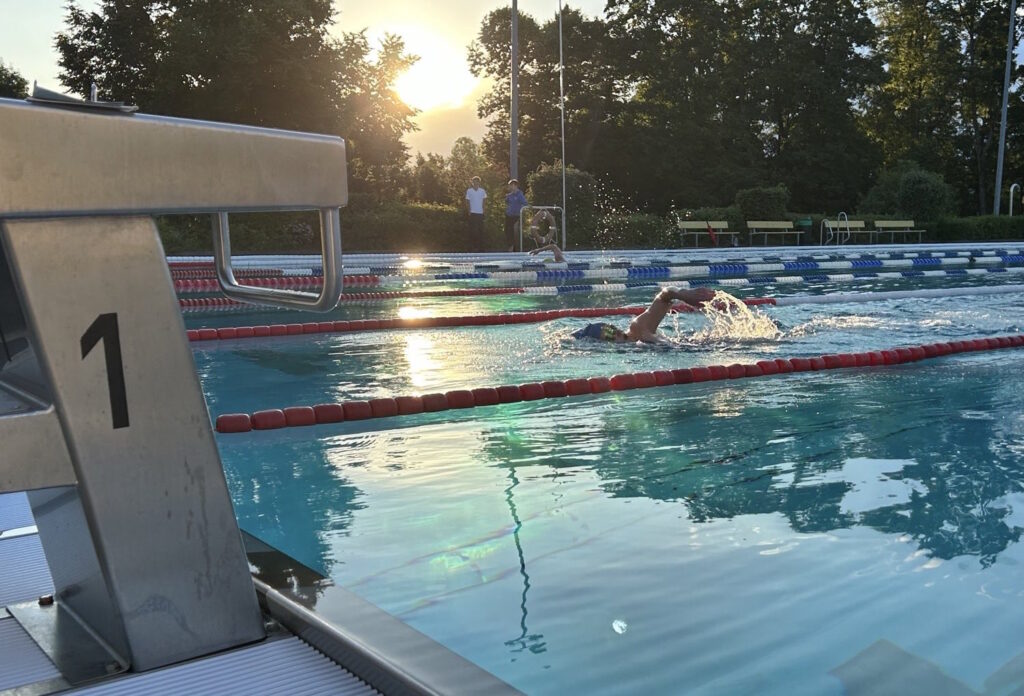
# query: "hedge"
[[983, 228], [423, 228]]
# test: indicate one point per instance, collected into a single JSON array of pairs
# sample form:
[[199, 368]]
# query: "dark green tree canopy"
[[259, 62], [12, 84], [682, 104]]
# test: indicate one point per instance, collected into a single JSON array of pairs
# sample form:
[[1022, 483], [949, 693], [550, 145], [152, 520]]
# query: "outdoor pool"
[[851, 530]]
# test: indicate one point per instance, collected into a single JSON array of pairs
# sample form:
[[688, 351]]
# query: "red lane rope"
[[279, 281], [297, 416], [198, 273], [204, 302], [234, 332]]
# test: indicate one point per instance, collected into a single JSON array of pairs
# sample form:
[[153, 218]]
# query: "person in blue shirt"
[[515, 201]]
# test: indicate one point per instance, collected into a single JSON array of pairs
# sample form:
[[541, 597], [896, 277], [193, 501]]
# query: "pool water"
[[850, 531]]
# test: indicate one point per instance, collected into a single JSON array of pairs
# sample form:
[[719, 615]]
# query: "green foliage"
[[763, 203], [924, 196], [981, 228], [590, 80], [429, 185], [12, 84], [366, 226], [908, 191], [544, 187], [634, 231], [260, 62]]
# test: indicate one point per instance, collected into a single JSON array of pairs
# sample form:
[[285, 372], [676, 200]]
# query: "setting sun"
[[440, 78]]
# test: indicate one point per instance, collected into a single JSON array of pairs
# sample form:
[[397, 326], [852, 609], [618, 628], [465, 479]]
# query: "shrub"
[[981, 228], [924, 195], [906, 190], [412, 227], [763, 203], [635, 231]]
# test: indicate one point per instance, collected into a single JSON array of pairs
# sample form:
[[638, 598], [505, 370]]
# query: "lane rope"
[[296, 329], [713, 271], [604, 257], [207, 304], [301, 416]]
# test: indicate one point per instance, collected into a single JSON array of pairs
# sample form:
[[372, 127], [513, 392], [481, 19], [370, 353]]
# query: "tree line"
[[682, 104], [669, 105]]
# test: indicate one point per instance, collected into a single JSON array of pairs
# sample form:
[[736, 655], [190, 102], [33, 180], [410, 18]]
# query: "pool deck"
[[303, 654]]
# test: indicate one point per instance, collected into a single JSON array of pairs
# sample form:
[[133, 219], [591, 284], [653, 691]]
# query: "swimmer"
[[555, 251], [645, 327]]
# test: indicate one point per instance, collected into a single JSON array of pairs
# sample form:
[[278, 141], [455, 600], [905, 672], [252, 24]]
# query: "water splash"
[[730, 319]]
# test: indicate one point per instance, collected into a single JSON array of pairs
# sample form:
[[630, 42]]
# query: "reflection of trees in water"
[[761, 458], [291, 497]]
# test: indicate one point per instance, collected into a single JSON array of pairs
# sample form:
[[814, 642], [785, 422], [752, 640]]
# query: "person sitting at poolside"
[[645, 327], [544, 219], [555, 251]]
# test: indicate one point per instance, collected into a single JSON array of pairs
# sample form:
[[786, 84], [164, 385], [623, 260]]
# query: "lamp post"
[[561, 106], [513, 140], [1006, 99]]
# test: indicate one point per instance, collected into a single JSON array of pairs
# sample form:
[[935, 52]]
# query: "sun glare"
[[440, 78]]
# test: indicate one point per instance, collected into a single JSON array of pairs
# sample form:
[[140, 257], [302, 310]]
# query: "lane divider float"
[[300, 416], [755, 272], [206, 304], [237, 332]]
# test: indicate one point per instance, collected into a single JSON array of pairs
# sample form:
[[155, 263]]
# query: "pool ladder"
[[841, 234]]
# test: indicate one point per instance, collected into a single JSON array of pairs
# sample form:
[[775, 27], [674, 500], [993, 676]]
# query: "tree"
[[590, 87], [12, 84], [429, 179], [940, 102], [260, 62]]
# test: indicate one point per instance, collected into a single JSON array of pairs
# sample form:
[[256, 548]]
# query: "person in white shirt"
[[475, 196]]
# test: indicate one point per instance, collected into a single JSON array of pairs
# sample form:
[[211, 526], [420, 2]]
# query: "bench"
[[840, 230], [895, 227], [767, 227], [699, 227]]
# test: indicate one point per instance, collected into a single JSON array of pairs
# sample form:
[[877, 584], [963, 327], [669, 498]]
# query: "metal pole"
[[1006, 99], [513, 140], [561, 103]]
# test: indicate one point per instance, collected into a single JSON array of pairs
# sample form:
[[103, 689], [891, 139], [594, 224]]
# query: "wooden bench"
[[767, 227], [699, 227], [895, 227], [843, 228]]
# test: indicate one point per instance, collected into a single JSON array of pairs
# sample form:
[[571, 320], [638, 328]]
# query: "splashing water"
[[729, 318]]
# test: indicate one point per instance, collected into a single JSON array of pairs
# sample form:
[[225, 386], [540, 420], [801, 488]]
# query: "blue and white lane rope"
[[726, 270], [728, 282], [309, 266], [604, 257], [860, 297]]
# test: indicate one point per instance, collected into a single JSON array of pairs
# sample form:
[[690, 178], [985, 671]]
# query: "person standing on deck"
[[515, 201], [475, 196]]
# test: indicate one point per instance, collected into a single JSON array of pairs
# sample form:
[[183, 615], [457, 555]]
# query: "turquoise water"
[[792, 534]]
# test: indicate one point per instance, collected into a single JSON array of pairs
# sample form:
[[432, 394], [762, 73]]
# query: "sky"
[[439, 32]]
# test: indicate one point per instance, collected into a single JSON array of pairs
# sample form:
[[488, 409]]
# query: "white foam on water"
[[730, 319]]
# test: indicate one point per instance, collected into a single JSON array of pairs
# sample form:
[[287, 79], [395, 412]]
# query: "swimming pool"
[[803, 533]]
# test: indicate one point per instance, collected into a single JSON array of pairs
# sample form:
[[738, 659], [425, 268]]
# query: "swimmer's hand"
[[534, 252]]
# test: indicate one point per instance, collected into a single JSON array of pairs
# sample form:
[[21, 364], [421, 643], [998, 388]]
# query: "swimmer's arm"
[[553, 248], [692, 298]]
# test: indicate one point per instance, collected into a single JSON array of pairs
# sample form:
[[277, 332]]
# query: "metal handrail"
[[822, 228], [1014, 186], [522, 221], [843, 239], [330, 254]]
